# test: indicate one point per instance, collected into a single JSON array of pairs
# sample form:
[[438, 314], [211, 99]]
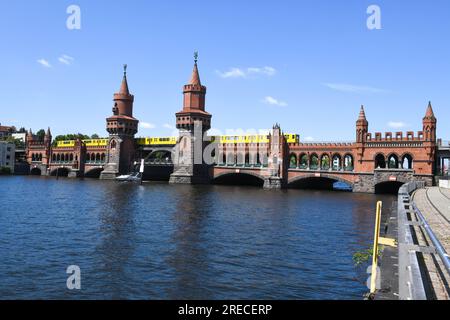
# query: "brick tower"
[[429, 134], [192, 122], [362, 128], [278, 162], [122, 127]]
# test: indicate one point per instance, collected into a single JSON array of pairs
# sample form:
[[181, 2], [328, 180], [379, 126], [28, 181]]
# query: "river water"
[[160, 241]]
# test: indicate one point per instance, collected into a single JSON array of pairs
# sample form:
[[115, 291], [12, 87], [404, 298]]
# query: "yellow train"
[[171, 141], [290, 138], [89, 143]]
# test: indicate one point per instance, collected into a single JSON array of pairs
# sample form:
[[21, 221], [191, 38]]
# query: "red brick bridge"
[[371, 163]]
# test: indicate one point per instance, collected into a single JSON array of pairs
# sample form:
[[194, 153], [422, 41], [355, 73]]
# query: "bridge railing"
[[411, 283]]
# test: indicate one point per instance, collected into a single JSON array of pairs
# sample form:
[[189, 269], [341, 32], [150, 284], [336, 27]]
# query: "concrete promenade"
[[434, 203]]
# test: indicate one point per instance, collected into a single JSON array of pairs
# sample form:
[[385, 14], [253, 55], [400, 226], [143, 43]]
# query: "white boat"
[[130, 177]]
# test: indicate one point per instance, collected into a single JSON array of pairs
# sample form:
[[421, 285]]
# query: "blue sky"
[[308, 65]]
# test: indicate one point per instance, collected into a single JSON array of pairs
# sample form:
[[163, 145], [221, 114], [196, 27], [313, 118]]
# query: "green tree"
[[41, 134], [95, 136]]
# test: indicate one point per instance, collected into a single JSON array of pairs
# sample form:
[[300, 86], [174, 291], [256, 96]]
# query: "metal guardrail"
[[411, 284], [436, 243]]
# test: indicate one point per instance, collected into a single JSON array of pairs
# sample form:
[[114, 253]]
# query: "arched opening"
[[407, 162], [71, 157], [293, 161], [393, 161], [53, 157], [35, 172], [380, 161], [247, 160], [160, 156], [240, 159], [320, 183], [325, 162], [239, 179], [103, 157], [336, 165], [94, 173], [314, 162], [304, 161], [231, 160], [60, 172], [388, 187], [349, 164]]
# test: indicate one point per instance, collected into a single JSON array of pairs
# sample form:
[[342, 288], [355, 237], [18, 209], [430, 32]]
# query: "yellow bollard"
[[373, 279]]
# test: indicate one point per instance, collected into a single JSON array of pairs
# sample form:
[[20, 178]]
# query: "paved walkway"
[[434, 203]]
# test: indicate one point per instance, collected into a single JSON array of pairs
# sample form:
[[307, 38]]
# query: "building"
[[7, 156], [6, 131]]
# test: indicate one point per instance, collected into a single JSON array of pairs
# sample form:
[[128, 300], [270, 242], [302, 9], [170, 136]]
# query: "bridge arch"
[[388, 187], [380, 161], [336, 162], [325, 161], [314, 161], [234, 178], [159, 155], [303, 161], [311, 181], [349, 162], [293, 161], [36, 172], [407, 161], [93, 173], [393, 161], [60, 172]]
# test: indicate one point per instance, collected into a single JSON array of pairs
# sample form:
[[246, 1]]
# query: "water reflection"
[[118, 238]]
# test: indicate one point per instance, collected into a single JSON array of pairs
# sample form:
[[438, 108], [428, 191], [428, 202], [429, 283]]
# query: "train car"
[[65, 144], [292, 138], [166, 141], [246, 139], [96, 142]]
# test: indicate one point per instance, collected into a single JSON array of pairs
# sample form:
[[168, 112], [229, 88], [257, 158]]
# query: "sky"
[[308, 65]]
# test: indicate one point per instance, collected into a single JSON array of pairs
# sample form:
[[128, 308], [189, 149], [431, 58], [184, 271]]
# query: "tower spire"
[[124, 86], [195, 79], [430, 113], [362, 114]]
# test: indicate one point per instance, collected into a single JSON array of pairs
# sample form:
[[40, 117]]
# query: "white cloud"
[[309, 139], [168, 126], [146, 125], [397, 124], [345, 87], [65, 59], [274, 102], [44, 63], [246, 72]]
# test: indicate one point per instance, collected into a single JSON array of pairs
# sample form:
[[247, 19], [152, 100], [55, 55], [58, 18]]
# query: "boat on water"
[[133, 177]]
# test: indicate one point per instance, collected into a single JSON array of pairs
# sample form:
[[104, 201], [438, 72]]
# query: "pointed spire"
[[362, 114], [48, 132], [429, 113], [195, 79], [124, 86]]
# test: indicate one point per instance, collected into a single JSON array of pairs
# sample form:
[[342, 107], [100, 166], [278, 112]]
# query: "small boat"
[[133, 177]]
